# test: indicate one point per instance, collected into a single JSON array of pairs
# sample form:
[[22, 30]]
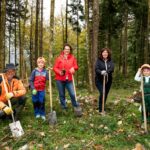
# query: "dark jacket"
[[102, 65]]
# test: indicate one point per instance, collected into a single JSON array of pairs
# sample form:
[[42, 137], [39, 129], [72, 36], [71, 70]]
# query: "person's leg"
[[99, 86], [61, 90], [42, 103], [18, 105], [107, 89], [69, 86], [35, 101]]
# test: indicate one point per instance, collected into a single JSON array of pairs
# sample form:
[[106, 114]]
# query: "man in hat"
[[16, 93]]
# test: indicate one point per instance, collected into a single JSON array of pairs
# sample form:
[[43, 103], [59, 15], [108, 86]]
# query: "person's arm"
[[138, 75], [31, 80], [75, 66], [2, 105], [20, 89], [97, 68], [110, 67], [56, 67]]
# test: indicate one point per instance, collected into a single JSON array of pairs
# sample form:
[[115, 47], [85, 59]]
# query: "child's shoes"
[[37, 116], [43, 118]]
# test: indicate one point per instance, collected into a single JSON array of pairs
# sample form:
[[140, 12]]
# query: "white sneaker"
[[37, 116], [43, 117]]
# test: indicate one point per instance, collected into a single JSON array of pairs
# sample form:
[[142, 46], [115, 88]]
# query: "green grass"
[[88, 132]]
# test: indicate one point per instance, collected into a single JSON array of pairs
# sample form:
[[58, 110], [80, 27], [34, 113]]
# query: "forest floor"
[[119, 129]]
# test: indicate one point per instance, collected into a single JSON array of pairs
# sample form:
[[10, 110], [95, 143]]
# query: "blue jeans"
[[39, 103], [61, 85]]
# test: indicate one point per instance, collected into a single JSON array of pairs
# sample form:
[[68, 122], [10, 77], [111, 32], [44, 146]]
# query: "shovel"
[[77, 110], [52, 118], [103, 99], [143, 104], [15, 127]]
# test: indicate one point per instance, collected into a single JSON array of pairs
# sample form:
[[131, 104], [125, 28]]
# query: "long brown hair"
[[102, 50]]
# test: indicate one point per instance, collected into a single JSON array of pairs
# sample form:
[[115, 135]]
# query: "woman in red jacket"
[[64, 67]]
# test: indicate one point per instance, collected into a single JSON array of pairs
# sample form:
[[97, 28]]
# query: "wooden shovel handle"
[[50, 91], [143, 104], [103, 99], [9, 103], [74, 87]]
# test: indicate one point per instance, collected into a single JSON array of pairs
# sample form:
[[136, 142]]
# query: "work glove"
[[7, 110], [34, 91], [9, 95], [103, 72]]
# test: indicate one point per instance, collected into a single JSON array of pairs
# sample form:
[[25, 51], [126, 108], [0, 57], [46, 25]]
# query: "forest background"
[[121, 25]]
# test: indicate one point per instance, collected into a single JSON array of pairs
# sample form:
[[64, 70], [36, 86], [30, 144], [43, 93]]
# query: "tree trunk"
[[125, 38], [41, 31], [36, 32], [32, 58], [2, 33], [95, 36], [88, 45], [63, 29], [146, 47], [10, 24], [15, 42], [20, 43], [52, 10], [66, 39]]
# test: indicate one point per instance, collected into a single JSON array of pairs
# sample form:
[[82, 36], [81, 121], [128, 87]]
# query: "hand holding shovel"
[[15, 127]]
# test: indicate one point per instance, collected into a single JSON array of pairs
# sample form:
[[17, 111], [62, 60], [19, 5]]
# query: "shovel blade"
[[52, 118], [16, 129], [78, 111]]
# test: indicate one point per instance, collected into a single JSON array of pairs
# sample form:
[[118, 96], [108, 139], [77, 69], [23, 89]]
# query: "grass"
[[91, 131]]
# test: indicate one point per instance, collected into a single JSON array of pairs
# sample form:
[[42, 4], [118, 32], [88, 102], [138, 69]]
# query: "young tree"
[[52, 10]]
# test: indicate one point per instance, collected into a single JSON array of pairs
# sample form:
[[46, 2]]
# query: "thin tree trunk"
[[146, 55], [95, 36], [66, 39], [77, 79], [148, 49], [9, 57], [41, 31], [63, 28], [2, 33], [88, 46], [52, 10], [32, 58], [36, 32], [20, 43], [125, 38], [15, 42]]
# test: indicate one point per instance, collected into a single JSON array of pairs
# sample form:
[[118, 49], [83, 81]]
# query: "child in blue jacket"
[[38, 83]]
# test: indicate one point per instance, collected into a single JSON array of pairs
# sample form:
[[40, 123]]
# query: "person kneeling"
[[16, 93]]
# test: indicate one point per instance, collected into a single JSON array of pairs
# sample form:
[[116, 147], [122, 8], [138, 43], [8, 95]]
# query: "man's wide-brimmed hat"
[[145, 66], [10, 66]]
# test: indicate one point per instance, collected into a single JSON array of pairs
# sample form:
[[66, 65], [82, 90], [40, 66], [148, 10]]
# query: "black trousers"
[[99, 85]]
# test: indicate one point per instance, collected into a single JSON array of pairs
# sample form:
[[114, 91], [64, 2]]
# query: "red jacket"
[[66, 64]]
